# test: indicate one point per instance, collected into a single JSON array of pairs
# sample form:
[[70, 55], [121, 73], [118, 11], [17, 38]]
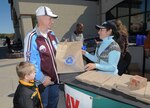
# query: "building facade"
[[135, 14], [70, 12]]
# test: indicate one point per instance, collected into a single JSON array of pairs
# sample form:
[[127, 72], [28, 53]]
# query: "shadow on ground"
[[11, 95]]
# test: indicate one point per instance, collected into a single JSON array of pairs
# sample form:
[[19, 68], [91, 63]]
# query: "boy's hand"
[[47, 81]]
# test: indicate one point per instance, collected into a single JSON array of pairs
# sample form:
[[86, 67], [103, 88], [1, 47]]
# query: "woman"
[[122, 39], [107, 53]]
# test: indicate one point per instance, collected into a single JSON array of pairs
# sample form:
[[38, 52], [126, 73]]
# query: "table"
[[114, 95]]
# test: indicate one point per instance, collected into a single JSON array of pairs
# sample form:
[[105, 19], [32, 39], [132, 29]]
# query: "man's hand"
[[47, 81], [90, 66]]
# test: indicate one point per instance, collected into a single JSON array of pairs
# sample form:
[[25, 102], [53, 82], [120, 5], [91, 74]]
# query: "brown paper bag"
[[69, 57], [109, 84], [137, 82], [147, 91]]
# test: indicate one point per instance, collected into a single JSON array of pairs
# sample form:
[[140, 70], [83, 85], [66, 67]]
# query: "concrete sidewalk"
[[9, 82]]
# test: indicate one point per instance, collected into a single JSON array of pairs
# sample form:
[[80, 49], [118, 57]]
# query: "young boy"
[[27, 94]]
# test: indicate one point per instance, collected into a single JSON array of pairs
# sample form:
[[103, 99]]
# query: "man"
[[7, 42], [40, 50], [77, 35]]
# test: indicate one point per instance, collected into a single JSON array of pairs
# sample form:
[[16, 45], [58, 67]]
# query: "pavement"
[[9, 82]]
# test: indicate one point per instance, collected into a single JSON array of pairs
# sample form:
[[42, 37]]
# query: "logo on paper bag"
[[69, 60]]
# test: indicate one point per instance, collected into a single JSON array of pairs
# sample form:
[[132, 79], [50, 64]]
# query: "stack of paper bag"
[[137, 86], [81, 76], [100, 78], [147, 91], [86, 77], [94, 78], [69, 57], [146, 97], [137, 82], [138, 93], [123, 83], [109, 84], [143, 99], [120, 83]]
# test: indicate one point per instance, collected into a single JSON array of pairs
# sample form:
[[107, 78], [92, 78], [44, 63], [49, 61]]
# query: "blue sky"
[[6, 25]]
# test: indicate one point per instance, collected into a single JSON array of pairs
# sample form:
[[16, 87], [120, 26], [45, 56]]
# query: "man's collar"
[[39, 32]]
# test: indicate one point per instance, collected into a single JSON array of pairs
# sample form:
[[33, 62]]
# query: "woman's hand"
[[90, 66], [97, 42], [83, 52], [66, 40]]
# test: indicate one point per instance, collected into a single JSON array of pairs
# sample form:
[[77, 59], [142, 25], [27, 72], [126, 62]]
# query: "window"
[[123, 8], [137, 6], [148, 20], [111, 14], [132, 13], [125, 21], [137, 23], [148, 17], [148, 5]]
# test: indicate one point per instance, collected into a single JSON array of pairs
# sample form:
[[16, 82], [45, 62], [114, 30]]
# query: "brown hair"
[[122, 38], [24, 68], [122, 30]]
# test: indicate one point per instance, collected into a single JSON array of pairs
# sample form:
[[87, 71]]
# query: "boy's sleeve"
[[25, 101], [41, 88]]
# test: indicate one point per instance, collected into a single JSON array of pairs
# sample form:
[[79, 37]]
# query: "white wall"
[[70, 12], [26, 23]]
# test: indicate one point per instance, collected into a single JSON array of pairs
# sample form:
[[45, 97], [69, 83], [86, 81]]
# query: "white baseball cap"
[[43, 10]]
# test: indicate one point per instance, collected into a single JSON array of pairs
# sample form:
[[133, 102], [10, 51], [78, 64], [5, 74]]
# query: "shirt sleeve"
[[91, 57], [35, 59], [72, 37], [25, 102], [113, 59]]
